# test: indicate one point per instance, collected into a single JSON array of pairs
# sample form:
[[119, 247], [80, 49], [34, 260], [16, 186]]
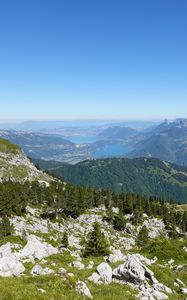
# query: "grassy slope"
[[7, 147]]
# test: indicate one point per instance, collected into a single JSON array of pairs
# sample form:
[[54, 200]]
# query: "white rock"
[[105, 271], [90, 265], [95, 277], [77, 264], [42, 291], [38, 270], [116, 256], [37, 248], [159, 295], [183, 290], [180, 282], [82, 289], [11, 266], [132, 270], [154, 226], [70, 274], [163, 288], [171, 261], [62, 270], [115, 210], [5, 250]]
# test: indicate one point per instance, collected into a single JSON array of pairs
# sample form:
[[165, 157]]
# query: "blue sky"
[[81, 59]]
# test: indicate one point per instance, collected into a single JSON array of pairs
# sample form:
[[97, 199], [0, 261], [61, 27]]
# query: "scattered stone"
[[82, 289], [179, 282], [183, 290], [42, 291], [116, 256], [96, 278], [62, 270], [38, 270], [171, 261], [77, 264], [115, 210], [70, 274], [90, 264]]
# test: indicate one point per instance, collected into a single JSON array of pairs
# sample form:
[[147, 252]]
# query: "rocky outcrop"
[[10, 264], [132, 271], [37, 249], [137, 275]]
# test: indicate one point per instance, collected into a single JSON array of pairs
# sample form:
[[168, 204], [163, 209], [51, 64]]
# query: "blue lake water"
[[111, 150], [81, 139]]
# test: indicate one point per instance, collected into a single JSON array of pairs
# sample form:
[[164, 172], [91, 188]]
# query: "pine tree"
[[143, 237], [137, 216], [96, 244], [5, 227], [119, 222], [65, 242]]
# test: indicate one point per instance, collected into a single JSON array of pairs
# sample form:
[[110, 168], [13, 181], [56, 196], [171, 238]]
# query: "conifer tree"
[[96, 244], [5, 227], [143, 237], [65, 242]]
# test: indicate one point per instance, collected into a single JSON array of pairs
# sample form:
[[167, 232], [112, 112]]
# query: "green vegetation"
[[143, 237], [143, 176], [63, 200], [6, 228], [97, 244], [65, 240], [8, 147]]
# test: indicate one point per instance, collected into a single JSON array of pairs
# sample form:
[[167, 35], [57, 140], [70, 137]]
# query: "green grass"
[[166, 249], [7, 147]]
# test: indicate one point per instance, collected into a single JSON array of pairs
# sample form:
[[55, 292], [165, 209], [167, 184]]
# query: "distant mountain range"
[[117, 132], [144, 176], [166, 141]]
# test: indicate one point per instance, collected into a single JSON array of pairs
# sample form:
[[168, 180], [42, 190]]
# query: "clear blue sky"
[[79, 59]]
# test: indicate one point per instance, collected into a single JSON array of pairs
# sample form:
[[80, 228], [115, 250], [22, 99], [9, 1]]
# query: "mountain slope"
[[145, 176], [117, 132], [38, 144], [15, 166], [168, 141]]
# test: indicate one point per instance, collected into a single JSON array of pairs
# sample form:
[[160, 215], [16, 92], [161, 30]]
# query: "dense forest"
[[63, 200], [143, 176]]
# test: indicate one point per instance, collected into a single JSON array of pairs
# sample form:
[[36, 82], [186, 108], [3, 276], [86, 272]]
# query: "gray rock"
[[183, 290], [77, 264], [38, 270], [82, 289], [90, 265], [159, 295], [180, 282], [95, 277], [11, 266], [37, 248], [105, 271], [132, 270]]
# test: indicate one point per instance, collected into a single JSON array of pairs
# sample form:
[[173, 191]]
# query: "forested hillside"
[[144, 176]]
